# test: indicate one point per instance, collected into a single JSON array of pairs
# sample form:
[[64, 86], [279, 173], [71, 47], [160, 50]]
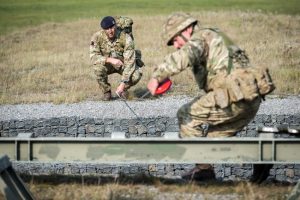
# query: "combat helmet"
[[176, 23], [125, 24]]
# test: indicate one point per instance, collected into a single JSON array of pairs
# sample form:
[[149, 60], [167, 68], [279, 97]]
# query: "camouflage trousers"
[[202, 118], [102, 72]]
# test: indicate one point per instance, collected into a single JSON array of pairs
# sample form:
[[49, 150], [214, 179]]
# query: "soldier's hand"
[[152, 85], [115, 62], [120, 89]]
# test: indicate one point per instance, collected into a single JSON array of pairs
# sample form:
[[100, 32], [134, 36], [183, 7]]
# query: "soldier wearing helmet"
[[222, 69], [112, 50]]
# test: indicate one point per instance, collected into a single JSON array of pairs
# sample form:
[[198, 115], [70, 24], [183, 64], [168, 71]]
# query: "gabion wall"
[[151, 127], [95, 127], [224, 172]]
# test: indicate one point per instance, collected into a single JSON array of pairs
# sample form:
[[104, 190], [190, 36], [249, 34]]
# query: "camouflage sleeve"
[[181, 59], [96, 56], [129, 59]]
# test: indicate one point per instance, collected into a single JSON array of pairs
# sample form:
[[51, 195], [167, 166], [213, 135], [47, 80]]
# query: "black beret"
[[107, 22]]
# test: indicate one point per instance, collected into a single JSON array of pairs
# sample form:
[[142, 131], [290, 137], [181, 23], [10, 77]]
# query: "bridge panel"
[[157, 150]]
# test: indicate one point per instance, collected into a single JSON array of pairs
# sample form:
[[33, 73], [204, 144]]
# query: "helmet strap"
[[183, 37]]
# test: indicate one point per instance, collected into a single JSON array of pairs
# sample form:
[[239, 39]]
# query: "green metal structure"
[[154, 150]]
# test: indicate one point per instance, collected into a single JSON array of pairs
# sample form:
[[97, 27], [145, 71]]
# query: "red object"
[[163, 86]]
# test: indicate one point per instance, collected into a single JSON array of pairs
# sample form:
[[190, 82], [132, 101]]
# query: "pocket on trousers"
[[242, 85], [234, 90], [208, 100], [264, 80]]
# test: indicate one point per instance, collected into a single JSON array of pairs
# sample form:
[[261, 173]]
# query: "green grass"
[[46, 61], [50, 62], [15, 14]]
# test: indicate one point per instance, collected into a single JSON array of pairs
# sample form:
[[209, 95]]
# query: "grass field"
[[44, 44], [23, 13], [158, 190]]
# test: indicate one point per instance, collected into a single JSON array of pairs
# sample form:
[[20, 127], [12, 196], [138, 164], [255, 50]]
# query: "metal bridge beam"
[[154, 150]]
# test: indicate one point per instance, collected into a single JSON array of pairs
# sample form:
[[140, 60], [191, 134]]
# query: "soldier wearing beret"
[[233, 88], [112, 51]]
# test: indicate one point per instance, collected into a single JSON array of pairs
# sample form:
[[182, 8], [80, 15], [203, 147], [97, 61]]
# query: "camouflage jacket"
[[122, 47], [206, 53]]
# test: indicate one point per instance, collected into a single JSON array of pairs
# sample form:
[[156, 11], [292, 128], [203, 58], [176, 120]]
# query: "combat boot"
[[106, 96]]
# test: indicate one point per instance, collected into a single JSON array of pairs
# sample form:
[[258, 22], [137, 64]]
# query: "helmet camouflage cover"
[[176, 23], [125, 23]]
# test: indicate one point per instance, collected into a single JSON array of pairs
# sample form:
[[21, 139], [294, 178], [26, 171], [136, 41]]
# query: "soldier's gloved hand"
[[120, 89], [114, 61], [152, 85]]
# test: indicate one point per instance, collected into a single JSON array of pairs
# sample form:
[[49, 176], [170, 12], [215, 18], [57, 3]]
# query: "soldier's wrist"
[[106, 59], [159, 79]]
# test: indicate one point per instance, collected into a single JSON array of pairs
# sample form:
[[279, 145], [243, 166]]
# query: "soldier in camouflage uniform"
[[221, 69], [112, 51]]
